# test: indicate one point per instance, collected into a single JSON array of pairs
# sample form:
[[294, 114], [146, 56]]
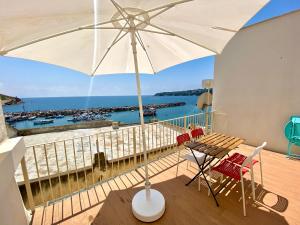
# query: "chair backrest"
[[248, 160], [196, 133], [292, 129], [181, 139]]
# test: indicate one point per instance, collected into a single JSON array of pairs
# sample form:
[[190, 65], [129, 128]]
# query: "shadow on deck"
[[110, 202]]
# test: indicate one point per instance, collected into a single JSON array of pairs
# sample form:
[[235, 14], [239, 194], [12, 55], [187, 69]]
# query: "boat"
[[99, 117], [32, 118], [16, 118], [40, 122], [150, 112], [11, 120], [59, 116], [49, 117], [74, 119], [23, 118]]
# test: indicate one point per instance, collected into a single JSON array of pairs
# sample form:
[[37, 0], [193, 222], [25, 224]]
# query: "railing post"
[[184, 122], [134, 146], [206, 122], [211, 121], [27, 184]]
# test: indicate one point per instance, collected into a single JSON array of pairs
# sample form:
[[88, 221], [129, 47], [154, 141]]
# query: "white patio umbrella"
[[122, 36]]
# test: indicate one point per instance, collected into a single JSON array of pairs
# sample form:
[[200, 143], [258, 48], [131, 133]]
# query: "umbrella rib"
[[179, 36], [120, 9], [116, 5], [144, 48], [57, 35], [164, 6], [224, 29], [105, 28], [156, 14], [115, 41], [38, 40], [102, 23], [156, 32]]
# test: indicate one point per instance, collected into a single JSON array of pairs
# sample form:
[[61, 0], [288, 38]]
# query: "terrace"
[[110, 201], [69, 183]]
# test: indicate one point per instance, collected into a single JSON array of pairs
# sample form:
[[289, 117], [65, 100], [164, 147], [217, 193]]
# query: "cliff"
[[8, 100], [196, 92]]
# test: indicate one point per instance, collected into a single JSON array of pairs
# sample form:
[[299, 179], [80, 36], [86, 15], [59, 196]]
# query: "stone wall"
[[11, 131], [83, 125]]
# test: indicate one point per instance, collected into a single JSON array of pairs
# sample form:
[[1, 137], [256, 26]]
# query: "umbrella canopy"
[[121, 37], [169, 31]]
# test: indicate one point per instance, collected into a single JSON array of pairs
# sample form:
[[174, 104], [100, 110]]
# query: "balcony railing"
[[51, 171]]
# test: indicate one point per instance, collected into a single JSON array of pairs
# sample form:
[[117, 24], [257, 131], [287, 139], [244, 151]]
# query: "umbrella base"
[[148, 209]]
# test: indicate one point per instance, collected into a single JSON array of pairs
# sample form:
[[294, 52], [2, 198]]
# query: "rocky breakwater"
[[105, 111]]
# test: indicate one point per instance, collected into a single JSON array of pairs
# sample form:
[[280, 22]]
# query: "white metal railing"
[[52, 170]]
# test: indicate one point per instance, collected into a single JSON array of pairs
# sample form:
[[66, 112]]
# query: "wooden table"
[[214, 146]]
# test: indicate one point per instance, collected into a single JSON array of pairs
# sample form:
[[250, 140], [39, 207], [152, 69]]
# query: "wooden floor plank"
[[278, 202]]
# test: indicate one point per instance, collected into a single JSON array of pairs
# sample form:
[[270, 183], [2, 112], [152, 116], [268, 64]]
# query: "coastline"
[[70, 112], [121, 109], [9, 100], [86, 115]]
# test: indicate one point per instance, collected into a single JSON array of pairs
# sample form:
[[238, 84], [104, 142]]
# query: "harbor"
[[76, 115], [70, 112]]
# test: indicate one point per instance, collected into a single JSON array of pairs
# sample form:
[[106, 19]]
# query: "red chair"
[[197, 133], [183, 138], [189, 157], [239, 159], [237, 167]]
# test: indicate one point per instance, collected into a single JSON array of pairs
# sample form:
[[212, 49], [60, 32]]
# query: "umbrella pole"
[[138, 84], [148, 205]]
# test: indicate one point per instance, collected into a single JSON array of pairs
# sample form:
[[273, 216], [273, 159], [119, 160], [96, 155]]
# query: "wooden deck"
[[278, 202]]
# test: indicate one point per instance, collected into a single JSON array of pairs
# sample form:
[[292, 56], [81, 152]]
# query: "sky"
[[25, 78]]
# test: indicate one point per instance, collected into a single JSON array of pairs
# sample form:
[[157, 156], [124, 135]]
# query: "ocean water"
[[60, 103]]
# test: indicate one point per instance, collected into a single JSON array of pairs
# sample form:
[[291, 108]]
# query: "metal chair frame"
[[243, 168]]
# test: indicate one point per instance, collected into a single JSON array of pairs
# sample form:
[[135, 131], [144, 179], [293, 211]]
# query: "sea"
[[128, 117]]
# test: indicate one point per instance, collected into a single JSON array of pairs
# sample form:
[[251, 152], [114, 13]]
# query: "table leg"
[[201, 170], [193, 178], [203, 166], [211, 191]]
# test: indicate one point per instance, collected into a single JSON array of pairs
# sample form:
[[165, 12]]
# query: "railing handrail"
[[53, 166], [121, 128]]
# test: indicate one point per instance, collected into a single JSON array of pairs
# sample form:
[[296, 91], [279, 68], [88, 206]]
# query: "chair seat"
[[230, 169], [295, 140], [238, 158], [199, 155]]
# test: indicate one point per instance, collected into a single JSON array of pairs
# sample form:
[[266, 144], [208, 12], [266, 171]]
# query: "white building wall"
[[257, 82], [3, 133]]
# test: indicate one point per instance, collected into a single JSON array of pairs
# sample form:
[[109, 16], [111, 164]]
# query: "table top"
[[215, 144]]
